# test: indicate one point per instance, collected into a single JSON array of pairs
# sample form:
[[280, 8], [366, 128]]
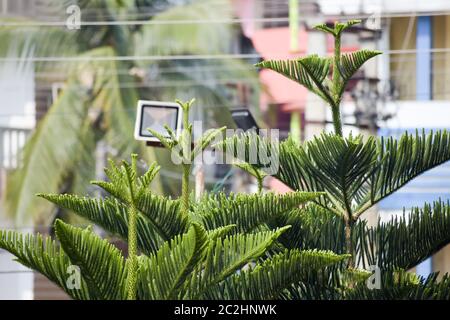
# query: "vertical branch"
[[259, 179], [186, 147], [260, 184], [185, 189], [132, 254], [132, 234], [337, 120], [335, 108], [349, 242]]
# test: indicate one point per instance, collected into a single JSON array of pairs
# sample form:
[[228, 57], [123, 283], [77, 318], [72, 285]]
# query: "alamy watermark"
[[73, 282], [260, 149], [73, 21], [374, 281]]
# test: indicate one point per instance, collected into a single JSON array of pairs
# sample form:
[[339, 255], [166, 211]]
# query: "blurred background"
[[68, 92]]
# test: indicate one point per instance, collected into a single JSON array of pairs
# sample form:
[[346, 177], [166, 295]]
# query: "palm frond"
[[170, 39], [89, 87], [15, 40], [28, 179], [101, 264]]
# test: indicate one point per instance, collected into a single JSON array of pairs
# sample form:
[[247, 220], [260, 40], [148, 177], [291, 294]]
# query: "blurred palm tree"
[[97, 102]]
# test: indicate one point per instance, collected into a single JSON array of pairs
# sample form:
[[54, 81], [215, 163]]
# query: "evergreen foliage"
[[356, 173], [310, 243]]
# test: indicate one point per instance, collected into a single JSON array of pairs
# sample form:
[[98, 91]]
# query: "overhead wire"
[[303, 18]]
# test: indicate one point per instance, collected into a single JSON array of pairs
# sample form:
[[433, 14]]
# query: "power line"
[[161, 70], [132, 58], [16, 272], [302, 18], [221, 21], [187, 57], [131, 110]]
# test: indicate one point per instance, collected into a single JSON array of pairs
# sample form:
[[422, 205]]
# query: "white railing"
[[12, 141]]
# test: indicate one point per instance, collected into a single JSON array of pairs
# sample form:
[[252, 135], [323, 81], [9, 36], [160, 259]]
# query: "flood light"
[[154, 115], [244, 119]]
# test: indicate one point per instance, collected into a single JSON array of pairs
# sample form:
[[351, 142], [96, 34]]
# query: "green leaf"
[[310, 71], [403, 160], [148, 177], [166, 142], [402, 285], [101, 264], [355, 173], [228, 255], [163, 213], [44, 256], [338, 27], [404, 242], [40, 150], [253, 171], [271, 278], [163, 275], [205, 141], [351, 62], [312, 227], [111, 215], [335, 165], [180, 38], [220, 232], [257, 151], [247, 211]]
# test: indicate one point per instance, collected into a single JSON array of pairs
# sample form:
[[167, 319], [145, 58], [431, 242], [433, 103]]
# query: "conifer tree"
[[355, 173], [310, 243], [217, 248]]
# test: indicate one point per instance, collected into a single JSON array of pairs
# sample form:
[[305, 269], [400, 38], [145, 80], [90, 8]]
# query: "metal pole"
[[296, 122]]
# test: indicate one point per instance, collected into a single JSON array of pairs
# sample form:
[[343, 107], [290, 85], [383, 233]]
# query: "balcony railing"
[[12, 141]]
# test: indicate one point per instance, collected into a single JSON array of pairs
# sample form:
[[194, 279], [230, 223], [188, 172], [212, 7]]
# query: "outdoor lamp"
[[244, 119], [154, 115]]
